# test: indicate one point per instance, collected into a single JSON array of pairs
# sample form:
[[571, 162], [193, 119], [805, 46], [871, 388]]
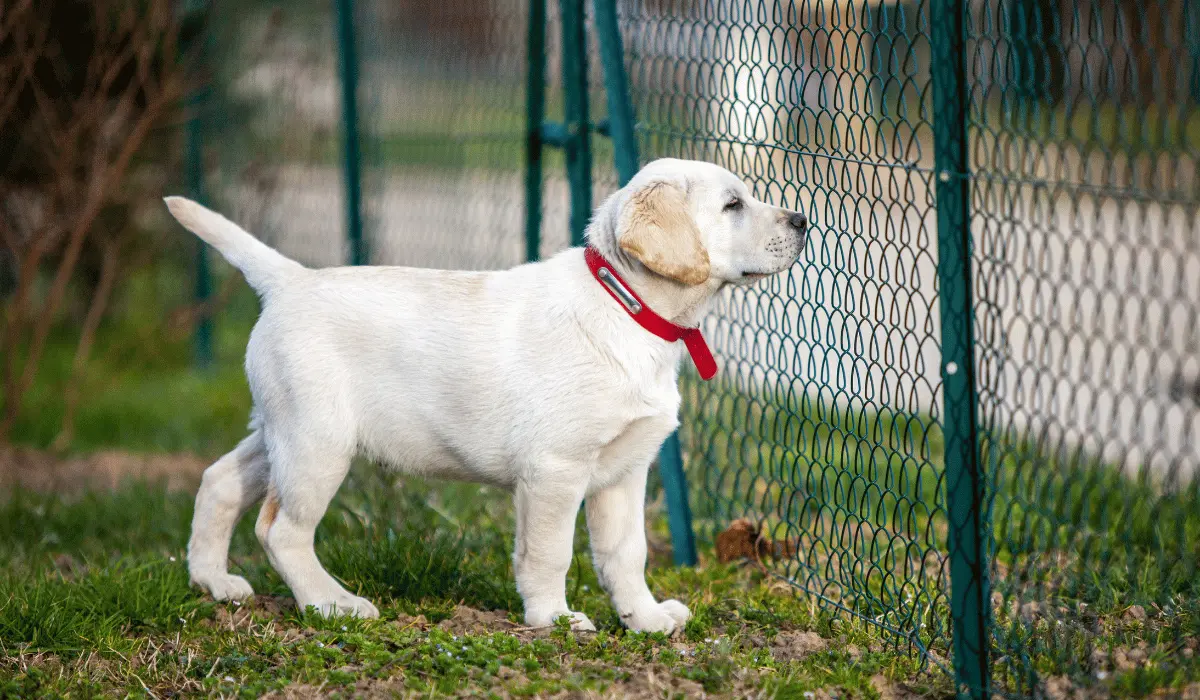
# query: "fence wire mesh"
[[272, 125], [444, 131], [823, 427], [827, 429], [1084, 142]]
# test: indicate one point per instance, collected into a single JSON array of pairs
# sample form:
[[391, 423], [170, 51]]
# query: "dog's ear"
[[657, 229]]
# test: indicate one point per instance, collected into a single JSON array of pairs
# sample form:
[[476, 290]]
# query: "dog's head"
[[696, 223]]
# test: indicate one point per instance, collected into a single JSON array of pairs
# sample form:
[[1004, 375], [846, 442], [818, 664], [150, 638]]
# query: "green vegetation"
[[107, 610], [140, 389]]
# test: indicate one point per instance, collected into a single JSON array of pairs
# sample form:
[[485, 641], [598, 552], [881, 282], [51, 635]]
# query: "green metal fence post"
[[535, 113], [578, 141], [969, 596], [625, 147], [679, 510], [1020, 53], [616, 89], [351, 148], [1192, 39], [193, 165]]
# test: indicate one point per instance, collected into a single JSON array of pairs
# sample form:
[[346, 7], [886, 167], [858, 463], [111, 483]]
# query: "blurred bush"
[[88, 92]]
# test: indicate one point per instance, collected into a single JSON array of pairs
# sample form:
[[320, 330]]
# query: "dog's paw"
[[224, 586], [677, 610], [346, 604], [668, 617], [579, 621]]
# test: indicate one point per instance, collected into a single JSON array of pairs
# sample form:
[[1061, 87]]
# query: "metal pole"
[[578, 142], [679, 510], [969, 591], [1192, 33], [616, 88], [535, 114], [625, 148], [351, 153], [193, 157]]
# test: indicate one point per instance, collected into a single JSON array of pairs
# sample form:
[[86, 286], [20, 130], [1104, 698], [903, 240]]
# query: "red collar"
[[608, 278]]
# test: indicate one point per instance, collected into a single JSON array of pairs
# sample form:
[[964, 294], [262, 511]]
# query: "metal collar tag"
[[622, 294]]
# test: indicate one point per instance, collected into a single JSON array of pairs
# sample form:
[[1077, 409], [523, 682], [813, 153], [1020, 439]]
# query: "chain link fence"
[[442, 130], [822, 429], [271, 125], [1085, 138], [1003, 205]]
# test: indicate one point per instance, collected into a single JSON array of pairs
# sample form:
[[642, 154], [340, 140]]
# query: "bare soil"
[[42, 470]]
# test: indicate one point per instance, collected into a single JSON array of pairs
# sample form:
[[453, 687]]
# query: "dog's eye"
[[734, 204]]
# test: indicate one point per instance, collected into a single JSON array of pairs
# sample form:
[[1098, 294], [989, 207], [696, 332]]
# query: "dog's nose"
[[798, 222]]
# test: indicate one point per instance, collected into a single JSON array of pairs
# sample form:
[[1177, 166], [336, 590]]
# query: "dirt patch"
[[67, 566], [1128, 659], [368, 688], [649, 682], [40, 470], [892, 691], [793, 646], [654, 682], [1061, 688], [471, 621], [273, 605], [300, 691]]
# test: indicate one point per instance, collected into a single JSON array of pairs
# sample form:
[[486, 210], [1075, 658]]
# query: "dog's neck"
[[683, 305]]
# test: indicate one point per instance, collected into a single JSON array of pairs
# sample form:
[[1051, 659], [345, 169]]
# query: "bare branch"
[[82, 139], [109, 264]]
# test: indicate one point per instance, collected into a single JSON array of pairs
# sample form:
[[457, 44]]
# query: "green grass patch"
[[111, 612], [141, 389], [102, 609]]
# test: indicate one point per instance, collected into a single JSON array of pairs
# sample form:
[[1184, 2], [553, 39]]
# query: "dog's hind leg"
[[231, 485], [306, 473]]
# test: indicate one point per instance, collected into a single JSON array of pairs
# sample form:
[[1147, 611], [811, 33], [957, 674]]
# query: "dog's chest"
[[632, 424], [633, 446]]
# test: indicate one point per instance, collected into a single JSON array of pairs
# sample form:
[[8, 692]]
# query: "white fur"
[[533, 379]]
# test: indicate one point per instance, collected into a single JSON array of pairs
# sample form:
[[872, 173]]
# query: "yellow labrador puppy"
[[556, 380]]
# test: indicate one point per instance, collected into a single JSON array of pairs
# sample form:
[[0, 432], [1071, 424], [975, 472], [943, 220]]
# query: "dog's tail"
[[263, 266]]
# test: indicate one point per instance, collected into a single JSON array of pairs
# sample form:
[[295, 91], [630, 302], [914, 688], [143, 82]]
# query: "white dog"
[[541, 379]]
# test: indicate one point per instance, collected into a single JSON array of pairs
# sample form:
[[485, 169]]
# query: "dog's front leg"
[[546, 511], [617, 526]]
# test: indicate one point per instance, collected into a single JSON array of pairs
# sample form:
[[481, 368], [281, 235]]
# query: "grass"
[[1101, 125], [108, 611], [141, 388], [94, 600], [487, 151]]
